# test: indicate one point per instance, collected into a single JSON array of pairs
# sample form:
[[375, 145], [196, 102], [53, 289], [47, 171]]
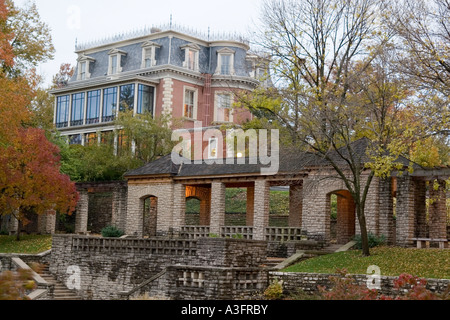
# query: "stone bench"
[[425, 242]]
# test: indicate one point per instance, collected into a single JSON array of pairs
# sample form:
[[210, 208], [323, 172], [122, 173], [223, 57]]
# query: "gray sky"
[[88, 20]]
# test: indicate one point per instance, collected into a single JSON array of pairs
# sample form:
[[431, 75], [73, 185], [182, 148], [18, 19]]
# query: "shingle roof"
[[290, 161]]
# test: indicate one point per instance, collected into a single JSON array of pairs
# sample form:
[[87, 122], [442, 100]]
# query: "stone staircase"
[[60, 292], [281, 263]]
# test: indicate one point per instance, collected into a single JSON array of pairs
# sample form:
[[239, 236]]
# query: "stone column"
[[119, 207], [13, 225], [261, 218], [386, 206], [81, 219], [295, 206], [179, 207], [316, 209], [250, 216], [405, 211], [438, 210], [217, 207], [134, 222], [47, 222], [372, 210]]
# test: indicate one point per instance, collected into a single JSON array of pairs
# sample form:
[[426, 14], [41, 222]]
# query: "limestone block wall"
[[309, 282], [99, 269], [317, 205], [102, 268], [137, 193]]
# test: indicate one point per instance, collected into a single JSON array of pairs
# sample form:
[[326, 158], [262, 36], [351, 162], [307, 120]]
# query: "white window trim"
[[84, 60], [217, 148], [191, 47], [115, 53], [220, 54], [217, 103], [146, 47], [195, 90]]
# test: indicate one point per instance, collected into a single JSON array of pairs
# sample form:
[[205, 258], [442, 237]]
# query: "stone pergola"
[[395, 207]]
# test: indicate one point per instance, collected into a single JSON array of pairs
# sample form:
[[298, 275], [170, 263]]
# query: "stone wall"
[[309, 282], [106, 267]]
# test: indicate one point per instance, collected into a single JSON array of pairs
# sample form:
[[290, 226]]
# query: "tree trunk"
[[363, 227]]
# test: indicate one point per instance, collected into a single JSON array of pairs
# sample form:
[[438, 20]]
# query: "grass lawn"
[[424, 263], [29, 244]]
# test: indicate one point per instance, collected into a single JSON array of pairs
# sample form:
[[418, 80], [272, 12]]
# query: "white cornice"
[[164, 34]]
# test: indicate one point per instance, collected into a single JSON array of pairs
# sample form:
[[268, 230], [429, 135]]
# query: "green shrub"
[[112, 232], [274, 291], [374, 241]]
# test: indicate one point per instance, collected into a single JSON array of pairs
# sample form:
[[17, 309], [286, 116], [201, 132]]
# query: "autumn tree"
[[30, 178], [29, 38], [31, 181], [332, 90], [6, 36], [422, 55]]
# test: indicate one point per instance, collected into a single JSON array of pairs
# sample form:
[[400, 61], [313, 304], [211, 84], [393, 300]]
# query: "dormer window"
[[149, 54], [115, 61], [191, 59], [225, 62], [84, 67]]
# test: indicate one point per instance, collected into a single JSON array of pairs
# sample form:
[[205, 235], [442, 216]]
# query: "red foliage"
[[30, 178], [345, 288], [407, 286], [414, 288]]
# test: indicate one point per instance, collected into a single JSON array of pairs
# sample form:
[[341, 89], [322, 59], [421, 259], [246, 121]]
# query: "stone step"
[[60, 291]]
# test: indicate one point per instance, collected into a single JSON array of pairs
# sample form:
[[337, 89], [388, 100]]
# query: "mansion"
[[161, 71]]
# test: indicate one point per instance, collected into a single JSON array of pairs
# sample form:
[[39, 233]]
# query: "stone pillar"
[[261, 218], [386, 206], [47, 222], [438, 210], [295, 206], [420, 209], [13, 225], [317, 208], [165, 211], [372, 210], [179, 207], [217, 207], [405, 211], [119, 207], [81, 219], [250, 216]]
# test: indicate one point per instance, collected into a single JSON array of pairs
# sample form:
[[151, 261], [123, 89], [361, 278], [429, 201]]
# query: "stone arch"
[[203, 194], [193, 206], [149, 215], [346, 215]]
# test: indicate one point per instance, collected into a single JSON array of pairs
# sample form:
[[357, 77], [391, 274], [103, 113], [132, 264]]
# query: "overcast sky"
[[88, 20]]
